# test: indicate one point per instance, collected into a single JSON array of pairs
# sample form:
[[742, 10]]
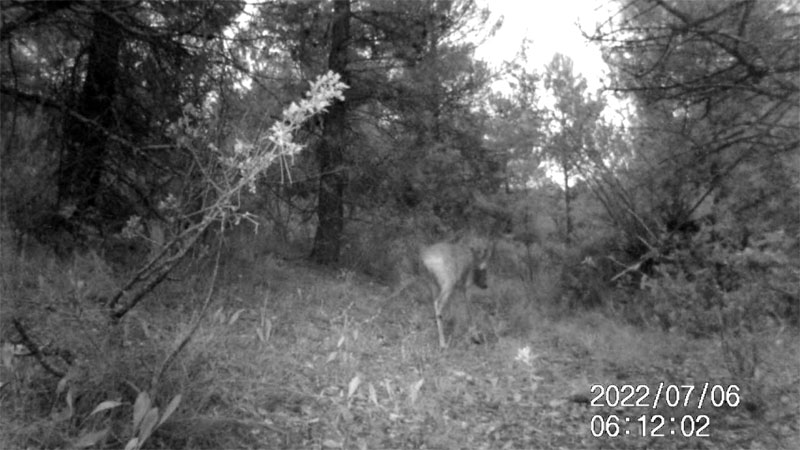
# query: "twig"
[[34, 349], [171, 357]]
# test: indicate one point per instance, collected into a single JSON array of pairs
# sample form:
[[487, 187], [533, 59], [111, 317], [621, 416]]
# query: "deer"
[[454, 267]]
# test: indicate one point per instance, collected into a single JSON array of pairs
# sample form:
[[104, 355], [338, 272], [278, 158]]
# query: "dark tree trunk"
[[81, 167], [330, 152]]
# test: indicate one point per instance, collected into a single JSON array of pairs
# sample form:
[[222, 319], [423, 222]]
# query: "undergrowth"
[[294, 356]]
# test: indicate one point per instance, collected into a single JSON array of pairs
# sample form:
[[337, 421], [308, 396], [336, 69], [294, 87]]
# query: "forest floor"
[[293, 356], [341, 362]]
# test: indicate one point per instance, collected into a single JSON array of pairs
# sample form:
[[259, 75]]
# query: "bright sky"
[[551, 26]]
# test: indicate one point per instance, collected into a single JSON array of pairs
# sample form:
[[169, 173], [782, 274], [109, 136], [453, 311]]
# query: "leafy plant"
[[146, 419]]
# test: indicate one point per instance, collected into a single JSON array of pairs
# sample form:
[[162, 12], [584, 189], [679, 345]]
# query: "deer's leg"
[[438, 306]]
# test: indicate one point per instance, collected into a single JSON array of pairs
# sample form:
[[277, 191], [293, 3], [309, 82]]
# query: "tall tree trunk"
[[330, 152], [81, 169]]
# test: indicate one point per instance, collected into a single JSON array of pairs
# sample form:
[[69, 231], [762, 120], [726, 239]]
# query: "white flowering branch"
[[252, 159], [239, 170]]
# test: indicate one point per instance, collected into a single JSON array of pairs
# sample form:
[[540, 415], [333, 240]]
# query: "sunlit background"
[[550, 27]]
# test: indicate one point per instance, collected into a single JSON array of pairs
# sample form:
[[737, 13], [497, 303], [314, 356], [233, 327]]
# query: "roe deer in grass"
[[454, 267]]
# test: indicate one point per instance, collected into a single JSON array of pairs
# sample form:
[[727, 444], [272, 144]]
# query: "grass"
[[294, 356]]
